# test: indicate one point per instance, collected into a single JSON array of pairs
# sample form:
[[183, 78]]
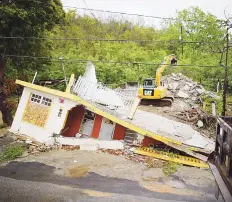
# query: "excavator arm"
[[170, 59]]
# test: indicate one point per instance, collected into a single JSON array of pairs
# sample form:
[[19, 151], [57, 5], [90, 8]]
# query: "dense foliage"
[[27, 19], [45, 23], [24, 19], [165, 41]]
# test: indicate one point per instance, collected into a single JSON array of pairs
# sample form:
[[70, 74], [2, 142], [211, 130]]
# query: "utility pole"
[[62, 66], [225, 88], [181, 38]]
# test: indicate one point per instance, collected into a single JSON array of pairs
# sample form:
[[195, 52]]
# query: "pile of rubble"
[[128, 153], [193, 114], [33, 147], [184, 88]]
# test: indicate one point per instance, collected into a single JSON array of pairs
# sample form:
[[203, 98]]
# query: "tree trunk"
[[6, 113]]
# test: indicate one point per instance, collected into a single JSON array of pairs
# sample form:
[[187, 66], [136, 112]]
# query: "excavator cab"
[[148, 87], [149, 83]]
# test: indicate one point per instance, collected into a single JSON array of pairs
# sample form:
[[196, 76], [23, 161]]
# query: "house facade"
[[43, 112]]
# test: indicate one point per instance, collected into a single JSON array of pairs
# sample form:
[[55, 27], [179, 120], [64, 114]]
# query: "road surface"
[[33, 181]]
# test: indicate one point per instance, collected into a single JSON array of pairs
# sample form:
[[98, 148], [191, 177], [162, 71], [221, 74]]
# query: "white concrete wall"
[[101, 144], [54, 123], [16, 125], [22, 127], [107, 130]]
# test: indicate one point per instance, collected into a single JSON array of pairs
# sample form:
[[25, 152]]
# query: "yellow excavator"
[[152, 93]]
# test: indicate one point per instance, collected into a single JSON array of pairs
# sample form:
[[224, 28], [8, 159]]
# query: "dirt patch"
[[96, 193], [79, 171]]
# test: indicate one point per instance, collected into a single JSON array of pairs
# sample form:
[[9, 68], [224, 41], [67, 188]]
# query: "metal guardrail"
[[223, 150]]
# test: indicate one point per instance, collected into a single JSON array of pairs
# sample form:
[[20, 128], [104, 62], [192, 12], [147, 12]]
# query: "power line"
[[130, 14], [75, 60], [112, 40], [90, 11], [139, 15]]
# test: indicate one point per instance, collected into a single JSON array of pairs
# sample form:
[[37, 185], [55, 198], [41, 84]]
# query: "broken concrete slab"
[[89, 147], [182, 94], [186, 87], [101, 144], [200, 124], [171, 129], [200, 141], [173, 86], [200, 90]]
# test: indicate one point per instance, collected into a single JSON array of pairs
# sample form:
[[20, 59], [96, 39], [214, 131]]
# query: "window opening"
[[38, 99]]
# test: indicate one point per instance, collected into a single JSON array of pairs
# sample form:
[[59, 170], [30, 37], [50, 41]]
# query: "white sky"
[[162, 8]]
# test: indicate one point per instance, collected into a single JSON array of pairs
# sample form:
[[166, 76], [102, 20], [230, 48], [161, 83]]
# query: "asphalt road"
[[23, 191], [34, 181]]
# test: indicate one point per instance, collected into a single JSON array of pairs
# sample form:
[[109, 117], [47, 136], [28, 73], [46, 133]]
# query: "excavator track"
[[164, 102]]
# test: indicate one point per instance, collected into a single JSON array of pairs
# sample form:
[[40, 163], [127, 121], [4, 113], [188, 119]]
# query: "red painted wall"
[[119, 132], [97, 126], [147, 141], [73, 122]]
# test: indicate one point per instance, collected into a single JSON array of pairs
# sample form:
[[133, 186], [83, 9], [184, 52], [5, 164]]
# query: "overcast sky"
[[163, 8]]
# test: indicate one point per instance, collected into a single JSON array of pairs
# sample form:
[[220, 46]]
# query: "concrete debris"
[[90, 73], [28, 141], [89, 88], [185, 88], [200, 124], [2, 135], [70, 147], [128, 153], [34, 147], [200, 90], [194, 114], [182, 94]]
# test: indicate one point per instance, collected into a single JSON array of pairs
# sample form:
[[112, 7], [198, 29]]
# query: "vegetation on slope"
[[151, 45]]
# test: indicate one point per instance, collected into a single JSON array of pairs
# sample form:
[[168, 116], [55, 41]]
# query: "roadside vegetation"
[[11, 152], [170, 168]]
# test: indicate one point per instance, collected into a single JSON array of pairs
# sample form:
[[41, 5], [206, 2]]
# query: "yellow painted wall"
[[36, 114]]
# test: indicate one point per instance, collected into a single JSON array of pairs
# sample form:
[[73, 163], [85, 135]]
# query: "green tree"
[[24, 18]]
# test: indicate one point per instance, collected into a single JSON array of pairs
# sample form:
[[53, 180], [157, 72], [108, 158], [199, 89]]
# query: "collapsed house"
[[91, 115]]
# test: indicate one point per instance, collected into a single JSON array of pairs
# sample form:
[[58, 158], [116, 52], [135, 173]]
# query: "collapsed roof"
[[115, 105]]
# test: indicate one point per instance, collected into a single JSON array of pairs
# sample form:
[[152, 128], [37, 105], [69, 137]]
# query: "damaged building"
[[91, 115]]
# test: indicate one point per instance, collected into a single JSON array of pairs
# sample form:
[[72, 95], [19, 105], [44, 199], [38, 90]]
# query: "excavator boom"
[[166, 62]]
